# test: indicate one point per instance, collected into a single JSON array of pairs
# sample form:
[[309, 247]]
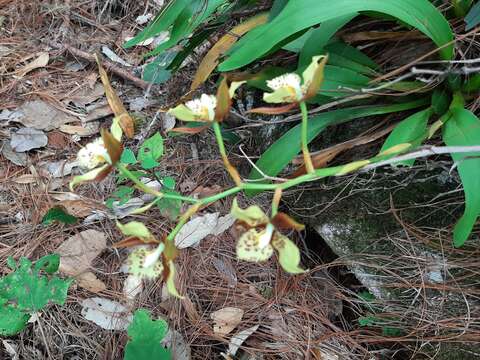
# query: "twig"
[[423, 57], [109, 66], [424, 152]]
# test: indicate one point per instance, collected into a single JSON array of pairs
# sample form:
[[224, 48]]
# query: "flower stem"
[[307, 159], [277, 196], [129, 175], [221, 146]]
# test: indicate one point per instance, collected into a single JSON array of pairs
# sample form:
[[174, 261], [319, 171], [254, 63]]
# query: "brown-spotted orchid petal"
[[136, 265], [288, 253], [252, 216], [249, 246]]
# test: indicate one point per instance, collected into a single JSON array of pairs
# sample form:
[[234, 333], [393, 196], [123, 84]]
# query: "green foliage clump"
[[28, 289], [145, 336]]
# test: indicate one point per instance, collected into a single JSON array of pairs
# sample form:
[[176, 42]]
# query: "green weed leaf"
[[150, 151], [169, 208], [412, 130], [58, 214], [128, 157], [26, 291], [122, 195], [463, 129], [145, 337]]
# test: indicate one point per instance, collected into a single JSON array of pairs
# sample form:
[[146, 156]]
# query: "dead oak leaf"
[[226, 319], [77, 254]]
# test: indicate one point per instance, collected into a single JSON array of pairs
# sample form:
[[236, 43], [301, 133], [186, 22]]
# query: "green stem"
[[219, 138], [128, 174], [307, 159], [221, 146]]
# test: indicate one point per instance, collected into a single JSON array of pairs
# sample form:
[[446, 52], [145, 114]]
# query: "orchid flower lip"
[[93, 154], [266, 236], [203, 107], [153, 257]]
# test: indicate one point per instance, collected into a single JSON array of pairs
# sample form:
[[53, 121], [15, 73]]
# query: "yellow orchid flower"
[[288, 88], [259, 245]]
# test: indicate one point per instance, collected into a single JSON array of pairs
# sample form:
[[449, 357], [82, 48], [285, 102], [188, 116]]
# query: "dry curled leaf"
[[41, 115], [39, 62], [26, 139], [107, 314], [77, 254], [78, 208], [226, 319], [125, 120], [210, 61]]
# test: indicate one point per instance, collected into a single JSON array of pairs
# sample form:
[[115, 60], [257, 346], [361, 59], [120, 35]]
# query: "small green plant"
[[28, 289], [58, 214], [145, 336], [143, 165]]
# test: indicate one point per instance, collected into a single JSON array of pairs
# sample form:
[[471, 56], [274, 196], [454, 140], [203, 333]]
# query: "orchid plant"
[[261, 234]]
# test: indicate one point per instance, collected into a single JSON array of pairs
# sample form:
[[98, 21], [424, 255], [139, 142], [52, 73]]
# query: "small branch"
[[424, 152], [109, 66]]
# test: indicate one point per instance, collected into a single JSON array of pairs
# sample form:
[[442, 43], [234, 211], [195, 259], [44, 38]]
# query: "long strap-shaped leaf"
[[301, 14], [463, 129], [280, 153]]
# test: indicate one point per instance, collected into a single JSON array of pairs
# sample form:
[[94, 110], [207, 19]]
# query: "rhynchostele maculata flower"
[[289, 88], [261, 237]]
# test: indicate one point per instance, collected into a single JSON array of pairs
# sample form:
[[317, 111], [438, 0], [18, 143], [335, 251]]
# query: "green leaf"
[[321, 36], [440, 101], [145, 336], [282, 151], [150, 151], [463, 129], [367, 320], [128, 157], [391, 331], [349, 52], [412, 130], [26, 290], [336, 78], [161, 22], [58, 214], [169, 208], [193, 15], [299, 15], [12, 320], [122, 195], [473, 17]]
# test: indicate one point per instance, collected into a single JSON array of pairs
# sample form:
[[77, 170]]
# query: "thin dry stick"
[[109, 66], [416, 61], [424, 152]]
